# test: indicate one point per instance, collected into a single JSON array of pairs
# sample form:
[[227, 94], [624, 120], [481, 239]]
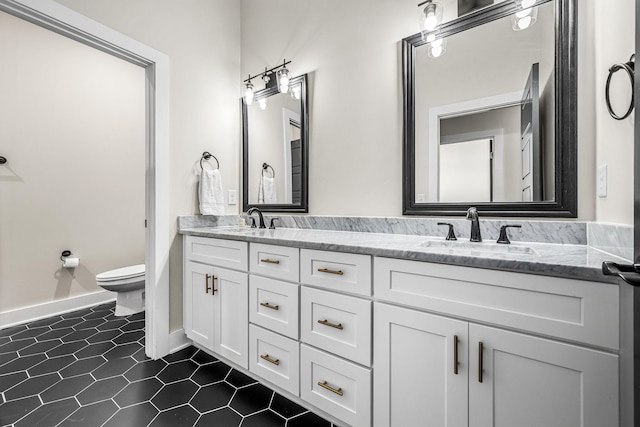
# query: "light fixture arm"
[[271, 70]]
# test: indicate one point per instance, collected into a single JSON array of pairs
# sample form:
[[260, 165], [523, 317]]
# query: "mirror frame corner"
[[303, 206], [565, 203]]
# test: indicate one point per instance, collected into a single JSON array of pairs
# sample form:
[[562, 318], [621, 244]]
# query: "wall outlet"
[[602, 181], [233, 197]]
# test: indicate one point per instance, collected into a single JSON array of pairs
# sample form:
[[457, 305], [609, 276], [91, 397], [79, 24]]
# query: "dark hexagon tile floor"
[[88, 368]]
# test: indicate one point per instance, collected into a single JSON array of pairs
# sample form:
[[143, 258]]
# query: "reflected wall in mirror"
[[275, 149], [492, 122]]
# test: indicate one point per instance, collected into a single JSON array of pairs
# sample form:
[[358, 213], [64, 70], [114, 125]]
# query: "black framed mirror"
[[275, 155], [522, 173]]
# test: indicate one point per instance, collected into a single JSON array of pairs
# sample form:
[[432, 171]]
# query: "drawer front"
[[219, 252], [274, 305], [338, 324], [336, 386], [279, 262], [336, 271], [575, 310], [275, 358]]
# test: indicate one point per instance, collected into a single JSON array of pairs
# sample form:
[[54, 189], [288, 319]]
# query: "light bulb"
[[436, 43], [430, 17], [524, 13], [431, 22], [430, 38], [524, 23], [283, 80], [436, 51], [262, 102], [249, 96], [527, 3]]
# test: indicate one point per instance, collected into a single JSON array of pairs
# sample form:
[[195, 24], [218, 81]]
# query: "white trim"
[[53, 308], [178, 340], [454, 110], [55, 17]]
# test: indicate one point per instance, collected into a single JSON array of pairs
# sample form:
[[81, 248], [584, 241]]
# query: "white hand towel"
[[211, 195], [269, 190]]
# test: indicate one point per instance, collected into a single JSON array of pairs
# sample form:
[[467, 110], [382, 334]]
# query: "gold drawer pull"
[[270, 360], [480, 361], [456, 341], [326, 270], [333, 325], [272, 307], [206, 282], [324, 385], [270, 261]]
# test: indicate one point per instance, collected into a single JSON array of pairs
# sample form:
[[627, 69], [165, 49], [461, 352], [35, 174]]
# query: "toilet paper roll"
[[70, 262]]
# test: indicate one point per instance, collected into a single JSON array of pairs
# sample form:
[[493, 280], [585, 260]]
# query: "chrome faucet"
[[260, 217], [472, 215]]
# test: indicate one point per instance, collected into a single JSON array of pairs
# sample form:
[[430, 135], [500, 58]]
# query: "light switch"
[[233, 197], [602, 181]]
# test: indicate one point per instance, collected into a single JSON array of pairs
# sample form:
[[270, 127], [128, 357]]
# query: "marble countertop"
[[558, 260]]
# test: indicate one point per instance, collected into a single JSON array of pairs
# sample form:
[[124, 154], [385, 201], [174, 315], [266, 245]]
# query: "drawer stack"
[[334, 324], [274, 351]]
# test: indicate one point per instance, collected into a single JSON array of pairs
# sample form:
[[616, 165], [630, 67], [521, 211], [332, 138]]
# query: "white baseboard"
[[178, 340], [53, 308]]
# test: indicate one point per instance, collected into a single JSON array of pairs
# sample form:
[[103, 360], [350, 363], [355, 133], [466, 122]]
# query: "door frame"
[[66, 22], [440, 112]]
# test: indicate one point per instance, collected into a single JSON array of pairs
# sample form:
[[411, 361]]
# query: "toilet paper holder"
[[67, 261]]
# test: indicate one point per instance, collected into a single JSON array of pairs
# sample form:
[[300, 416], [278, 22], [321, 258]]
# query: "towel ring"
[[266, 166], [629, 68], [206, 156]]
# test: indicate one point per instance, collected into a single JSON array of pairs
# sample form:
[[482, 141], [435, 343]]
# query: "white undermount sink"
[[466, 247]]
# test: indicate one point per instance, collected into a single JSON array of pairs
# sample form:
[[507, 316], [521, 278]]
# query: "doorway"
[[55, 17]]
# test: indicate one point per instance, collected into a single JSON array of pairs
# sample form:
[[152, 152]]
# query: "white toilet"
[[128, 283]]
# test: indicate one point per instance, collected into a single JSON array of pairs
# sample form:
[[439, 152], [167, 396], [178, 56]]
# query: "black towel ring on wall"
[[206, 156], [629, 68], [266, 166]]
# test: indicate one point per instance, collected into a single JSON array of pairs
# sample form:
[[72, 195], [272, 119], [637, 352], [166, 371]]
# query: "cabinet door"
[[198, 303], [414, 378], [231, 319], [531, 382]]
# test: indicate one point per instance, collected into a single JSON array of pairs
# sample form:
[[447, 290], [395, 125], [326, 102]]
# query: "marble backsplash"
[[612, 238]]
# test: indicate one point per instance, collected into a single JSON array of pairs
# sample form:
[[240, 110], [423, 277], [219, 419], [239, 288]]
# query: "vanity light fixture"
[[282, 80], [249, 95], [431, 16]]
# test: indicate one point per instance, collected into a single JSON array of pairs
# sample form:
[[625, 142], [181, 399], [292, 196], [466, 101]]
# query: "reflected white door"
[[465, 171]]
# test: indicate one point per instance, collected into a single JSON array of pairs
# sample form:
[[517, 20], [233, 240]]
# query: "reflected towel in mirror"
[[267, 193], [210, 194]]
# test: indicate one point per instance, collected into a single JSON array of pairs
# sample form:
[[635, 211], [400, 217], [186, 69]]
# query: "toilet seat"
[[124, 274]]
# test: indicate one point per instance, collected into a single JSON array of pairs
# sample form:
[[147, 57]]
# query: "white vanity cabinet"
[[385, 342], [456, 372], [215, 298]]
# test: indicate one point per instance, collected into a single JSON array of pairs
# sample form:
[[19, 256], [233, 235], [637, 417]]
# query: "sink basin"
[[466, 247]]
